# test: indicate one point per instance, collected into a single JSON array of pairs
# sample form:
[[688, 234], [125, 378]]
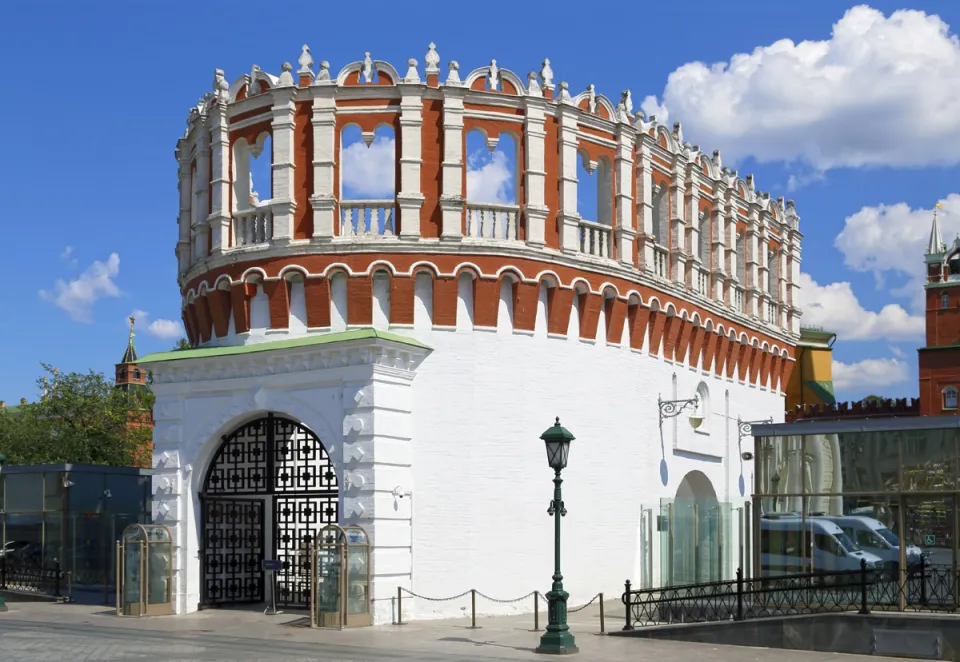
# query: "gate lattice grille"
[[277, 457]]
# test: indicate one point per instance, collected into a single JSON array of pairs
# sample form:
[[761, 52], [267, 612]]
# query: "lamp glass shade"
[[557, 440]]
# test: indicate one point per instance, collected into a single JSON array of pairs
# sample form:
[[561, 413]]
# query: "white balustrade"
[[660, 261], [701, 281], [772, 312], [738, 299], [252, 226], [595, 239], [490, 221], [367, 218]]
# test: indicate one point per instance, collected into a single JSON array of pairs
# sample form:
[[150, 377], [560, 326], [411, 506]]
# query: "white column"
[[678, 254], [185, 186], [733, 262], [324, 122], [410, 196], [453, 196], [793, 284], [201, 197], [568, 216], [378, 491], [534, 170], [220, 213], [692, 245], [645, 201], [719, 264], [625, 230], [751, 251], [283, 202]]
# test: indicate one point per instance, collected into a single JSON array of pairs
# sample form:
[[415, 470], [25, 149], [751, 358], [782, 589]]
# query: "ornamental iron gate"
[[269, 460]]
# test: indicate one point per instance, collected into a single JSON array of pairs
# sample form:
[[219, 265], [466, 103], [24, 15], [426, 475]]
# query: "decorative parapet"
[[668, 216], [862, 409]]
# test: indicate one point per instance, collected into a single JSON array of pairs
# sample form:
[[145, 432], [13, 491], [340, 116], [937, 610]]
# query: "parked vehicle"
[[872, 536], [783, 538]]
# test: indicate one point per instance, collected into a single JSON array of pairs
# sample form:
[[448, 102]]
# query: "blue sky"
[[860, 125]]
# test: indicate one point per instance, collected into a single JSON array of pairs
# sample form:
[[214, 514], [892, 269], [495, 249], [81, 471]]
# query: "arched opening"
[[694, 541], [492, 185], [297, 316], [368, 168], [381, 300], [252, 190], [266, 493], [595, 204]]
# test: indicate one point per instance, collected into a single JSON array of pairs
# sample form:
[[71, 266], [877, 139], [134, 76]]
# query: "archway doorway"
[[694, 544], [267, 492]]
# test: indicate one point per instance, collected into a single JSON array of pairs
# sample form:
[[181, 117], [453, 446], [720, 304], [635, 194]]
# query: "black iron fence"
[[26, 576], [924, 588]]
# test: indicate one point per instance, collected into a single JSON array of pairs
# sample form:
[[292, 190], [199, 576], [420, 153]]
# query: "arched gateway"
[[268, 490]]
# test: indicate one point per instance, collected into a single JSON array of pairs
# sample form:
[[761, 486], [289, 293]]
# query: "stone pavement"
[[38, 632]]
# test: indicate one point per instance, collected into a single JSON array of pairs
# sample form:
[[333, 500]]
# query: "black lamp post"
[[557, 640]]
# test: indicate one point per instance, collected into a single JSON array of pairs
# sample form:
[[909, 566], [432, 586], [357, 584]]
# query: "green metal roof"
[[308, 341]]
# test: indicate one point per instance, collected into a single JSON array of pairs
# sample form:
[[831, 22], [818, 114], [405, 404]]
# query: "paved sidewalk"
[[39, 632]]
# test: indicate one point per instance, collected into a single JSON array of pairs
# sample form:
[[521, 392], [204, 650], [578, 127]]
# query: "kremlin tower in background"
[[939, 364]]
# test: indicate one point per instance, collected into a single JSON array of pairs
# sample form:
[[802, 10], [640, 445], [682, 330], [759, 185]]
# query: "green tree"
[[183, 343], [80, 418]]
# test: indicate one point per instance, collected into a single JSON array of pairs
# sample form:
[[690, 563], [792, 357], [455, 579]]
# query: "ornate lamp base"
[[557, 640]]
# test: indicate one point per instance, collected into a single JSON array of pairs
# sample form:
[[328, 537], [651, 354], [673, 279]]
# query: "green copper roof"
[[824, 391], [308, 341]]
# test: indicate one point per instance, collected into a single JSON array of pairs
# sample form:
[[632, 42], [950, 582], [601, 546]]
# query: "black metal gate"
[[276, 459]]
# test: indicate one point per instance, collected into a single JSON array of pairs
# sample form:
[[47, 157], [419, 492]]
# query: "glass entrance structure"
[[832, 496], [341, 573], [145, 571]]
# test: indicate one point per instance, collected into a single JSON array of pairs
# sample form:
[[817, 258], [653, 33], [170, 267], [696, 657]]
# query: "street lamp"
[[671, 408], [557, 640]]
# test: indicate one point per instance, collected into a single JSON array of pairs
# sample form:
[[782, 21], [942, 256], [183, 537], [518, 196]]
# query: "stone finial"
[[627, 100], [324, 73], [546, 74], [286, 74], [453, 76], [638, 119], [413, 76], [678, 132], [305, 61], [653, 121], [780, 202], [750, 184], [221, 88], [432, 59], [493, 76], [367, 69], [717, 161], [253, 82], [565, 93], [533, 87], [591, 99]]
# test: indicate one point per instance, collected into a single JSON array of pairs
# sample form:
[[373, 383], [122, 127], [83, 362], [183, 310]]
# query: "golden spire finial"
[[133, 320], [939, 205]]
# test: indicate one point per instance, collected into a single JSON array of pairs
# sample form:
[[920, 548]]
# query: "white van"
[[782, 540], [872, 536]]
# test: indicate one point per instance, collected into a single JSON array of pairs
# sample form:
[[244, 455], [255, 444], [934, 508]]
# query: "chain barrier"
[[473, 593]]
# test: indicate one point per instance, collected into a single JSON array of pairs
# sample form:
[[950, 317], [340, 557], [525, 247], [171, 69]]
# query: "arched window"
[[944, 300], [950, 397], [773, 275], [741, 260], [703, 408], [704, 231], [136, 374], [661, 214]]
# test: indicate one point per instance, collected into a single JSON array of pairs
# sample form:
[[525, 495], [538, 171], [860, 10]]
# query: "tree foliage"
[[80, 418], [183, 343]]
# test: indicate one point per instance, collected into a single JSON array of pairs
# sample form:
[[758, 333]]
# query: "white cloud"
[[76, 298], [835, 307], [370, 172], [869, 374], [490, 177], [159, 328], [67, 256], [892, 239], [882, 90]]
